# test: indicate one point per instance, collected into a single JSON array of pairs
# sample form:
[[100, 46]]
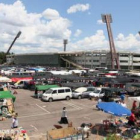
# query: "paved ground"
[[38, 117]]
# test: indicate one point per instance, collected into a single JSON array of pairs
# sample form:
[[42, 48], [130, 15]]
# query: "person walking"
[[14, 122], [134, 105], [64, 119]]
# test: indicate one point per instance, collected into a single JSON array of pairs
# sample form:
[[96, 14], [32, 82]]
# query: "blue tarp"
[[114, 108]]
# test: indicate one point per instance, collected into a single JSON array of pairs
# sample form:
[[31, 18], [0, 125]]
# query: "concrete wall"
[[37, 59]]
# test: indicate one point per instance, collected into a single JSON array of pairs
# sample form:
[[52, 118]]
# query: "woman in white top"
[[15, 121], [64, 119]]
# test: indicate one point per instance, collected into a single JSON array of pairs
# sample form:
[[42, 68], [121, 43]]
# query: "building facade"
[[88, 59], [34, 59]]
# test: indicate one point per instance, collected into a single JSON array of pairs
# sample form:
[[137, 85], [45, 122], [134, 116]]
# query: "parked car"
[[82, 92], [89, 90], [57, 93], [109, 95], [98, 92], [20, 84], [40, 89]]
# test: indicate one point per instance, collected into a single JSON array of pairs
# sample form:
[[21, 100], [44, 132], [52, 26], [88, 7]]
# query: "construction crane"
[[114, 57]]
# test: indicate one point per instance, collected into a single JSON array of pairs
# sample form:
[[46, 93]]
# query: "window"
[[95, 60], [123, 61], [67, 90], [61, 91], [136, 55], [21, 82], [54, 92], [124, 55]]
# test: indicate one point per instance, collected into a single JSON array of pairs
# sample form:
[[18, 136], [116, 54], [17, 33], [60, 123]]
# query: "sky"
[[46, 23]]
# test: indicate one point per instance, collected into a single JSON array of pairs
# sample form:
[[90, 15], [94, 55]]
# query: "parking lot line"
[[85, 105], [43, 109], [72, 105], [34, 127], [28, 116]]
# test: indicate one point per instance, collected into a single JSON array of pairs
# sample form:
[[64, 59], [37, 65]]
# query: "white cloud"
[[42, 35], [128, 43], [78, 7], [120, 37], [50, 14], [99, 21], [94, 42], [38, 33], [77, 33]]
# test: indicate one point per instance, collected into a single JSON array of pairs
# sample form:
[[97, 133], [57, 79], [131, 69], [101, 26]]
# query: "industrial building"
[[87, 59]]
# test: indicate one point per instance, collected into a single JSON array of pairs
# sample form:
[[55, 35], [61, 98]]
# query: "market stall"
[[14, 134], [69, 133]]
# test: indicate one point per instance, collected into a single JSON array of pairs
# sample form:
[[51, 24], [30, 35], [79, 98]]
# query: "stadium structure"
[[80, 59]]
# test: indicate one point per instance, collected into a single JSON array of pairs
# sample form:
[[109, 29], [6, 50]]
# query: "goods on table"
[[69, 133], [15, 134]]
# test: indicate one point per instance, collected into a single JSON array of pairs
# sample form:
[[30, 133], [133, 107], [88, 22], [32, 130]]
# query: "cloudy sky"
[[45, 23]]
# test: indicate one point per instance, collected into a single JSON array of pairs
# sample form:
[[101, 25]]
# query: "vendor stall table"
[[69, 133], [15, 134]]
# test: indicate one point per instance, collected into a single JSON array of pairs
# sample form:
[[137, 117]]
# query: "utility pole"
[[114, 57], [65, 42]]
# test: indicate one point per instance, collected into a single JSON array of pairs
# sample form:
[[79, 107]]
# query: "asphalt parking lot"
[[37, 117]]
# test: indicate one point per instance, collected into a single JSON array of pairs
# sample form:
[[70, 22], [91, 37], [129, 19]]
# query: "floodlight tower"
[[114, 57], [65, 42], [17, 36]]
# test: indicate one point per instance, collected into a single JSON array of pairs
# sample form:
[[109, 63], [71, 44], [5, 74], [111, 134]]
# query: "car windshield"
[[48, 91], [97, 91], [90, 89]]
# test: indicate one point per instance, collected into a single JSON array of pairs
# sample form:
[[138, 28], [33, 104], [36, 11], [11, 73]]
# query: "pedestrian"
[[64, 119], [15, 121], [123, 104], [134, 105], [132, 119], [122, 96]]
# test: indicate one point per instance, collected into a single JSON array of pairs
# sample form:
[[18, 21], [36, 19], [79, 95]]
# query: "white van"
[[57, 94]]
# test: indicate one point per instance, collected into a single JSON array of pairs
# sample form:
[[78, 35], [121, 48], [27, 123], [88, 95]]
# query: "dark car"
[[109, 95]]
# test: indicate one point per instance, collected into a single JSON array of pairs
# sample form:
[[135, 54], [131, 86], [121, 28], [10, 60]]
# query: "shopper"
[[14, 122], [134, 105], [132, 119], [64, 119]]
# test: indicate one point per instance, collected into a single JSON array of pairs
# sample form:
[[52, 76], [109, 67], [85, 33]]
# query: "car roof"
[[57, 88]]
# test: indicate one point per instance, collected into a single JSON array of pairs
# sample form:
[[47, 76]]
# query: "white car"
[[97, 93], [82, 92]]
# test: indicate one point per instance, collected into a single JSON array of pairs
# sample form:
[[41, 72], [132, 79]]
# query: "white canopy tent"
[[5, 79], [134, 98]]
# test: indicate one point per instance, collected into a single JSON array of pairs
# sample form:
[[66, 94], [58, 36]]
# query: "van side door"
[[55, 95], [61, 94]]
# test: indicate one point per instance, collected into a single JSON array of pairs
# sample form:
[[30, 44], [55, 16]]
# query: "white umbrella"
[[5, 79], [134, 98]]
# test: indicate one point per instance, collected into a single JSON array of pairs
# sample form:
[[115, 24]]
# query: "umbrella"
[[5, 79], [114, 108]]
